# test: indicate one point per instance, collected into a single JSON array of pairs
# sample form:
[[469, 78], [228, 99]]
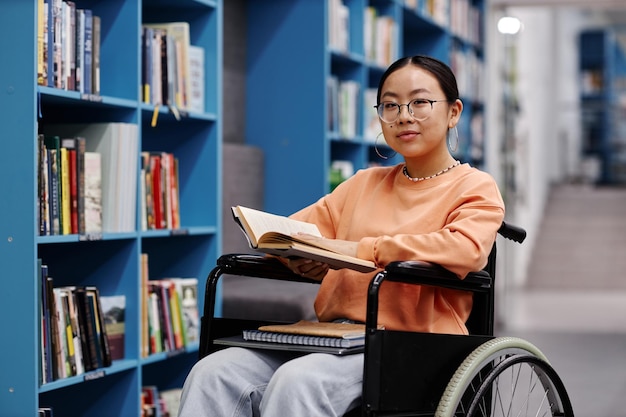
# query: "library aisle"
[[574, 306]]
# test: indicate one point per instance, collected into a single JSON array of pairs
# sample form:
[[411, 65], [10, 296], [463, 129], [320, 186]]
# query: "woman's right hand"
[[307, 268]]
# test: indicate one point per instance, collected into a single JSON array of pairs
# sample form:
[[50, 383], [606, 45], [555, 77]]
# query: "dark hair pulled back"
[[437, 68]]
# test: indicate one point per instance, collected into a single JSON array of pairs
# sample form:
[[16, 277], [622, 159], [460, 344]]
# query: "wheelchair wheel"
[[505, 376]]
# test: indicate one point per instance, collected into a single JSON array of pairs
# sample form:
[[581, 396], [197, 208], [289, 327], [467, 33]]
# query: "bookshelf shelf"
[[301, 135], [109, 260]]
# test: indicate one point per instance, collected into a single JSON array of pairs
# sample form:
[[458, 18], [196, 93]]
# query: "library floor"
[[574, 308]]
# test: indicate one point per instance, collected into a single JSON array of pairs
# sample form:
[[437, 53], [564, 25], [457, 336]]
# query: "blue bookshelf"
[[111, 261], [293, 55], [603, 97]]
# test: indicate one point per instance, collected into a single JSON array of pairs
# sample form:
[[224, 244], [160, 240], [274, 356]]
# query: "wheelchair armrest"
[[426, 273], [259, 266], [422, 273]]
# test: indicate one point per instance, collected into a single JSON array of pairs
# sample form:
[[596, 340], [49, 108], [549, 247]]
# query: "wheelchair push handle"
[[514, 233]]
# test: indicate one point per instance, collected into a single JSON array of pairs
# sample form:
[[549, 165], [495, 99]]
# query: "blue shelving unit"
[[603, 102], [112, 262], [290, 61]]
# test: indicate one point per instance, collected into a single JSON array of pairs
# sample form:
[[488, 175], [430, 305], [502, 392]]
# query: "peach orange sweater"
[[451, 220]]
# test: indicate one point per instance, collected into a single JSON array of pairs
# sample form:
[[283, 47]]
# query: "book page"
[[257, 223]]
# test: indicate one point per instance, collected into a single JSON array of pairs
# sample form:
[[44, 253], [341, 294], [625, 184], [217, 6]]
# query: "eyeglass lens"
[[418, 109]]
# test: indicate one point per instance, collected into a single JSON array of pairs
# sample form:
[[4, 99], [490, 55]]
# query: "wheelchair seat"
[[423, 374]]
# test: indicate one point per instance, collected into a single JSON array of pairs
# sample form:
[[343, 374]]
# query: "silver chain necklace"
[[443, 171]]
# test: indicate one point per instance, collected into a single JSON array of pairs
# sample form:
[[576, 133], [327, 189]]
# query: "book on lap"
[[274, 234], [310, 333], [303, 336]]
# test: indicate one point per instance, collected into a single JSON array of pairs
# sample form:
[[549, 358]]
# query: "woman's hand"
[[307, 268]]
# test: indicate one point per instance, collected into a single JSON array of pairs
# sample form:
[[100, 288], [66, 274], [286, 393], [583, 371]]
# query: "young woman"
[[429, 208]]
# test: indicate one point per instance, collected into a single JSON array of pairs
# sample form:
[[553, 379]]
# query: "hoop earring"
[[378, 152], [456, 139]]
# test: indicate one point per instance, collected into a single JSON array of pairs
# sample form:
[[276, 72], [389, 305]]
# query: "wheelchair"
[[423, 374]]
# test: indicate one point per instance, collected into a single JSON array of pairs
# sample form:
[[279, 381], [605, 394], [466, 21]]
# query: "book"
[[305, 332], [171, 400], [187, 289], [93, 193], [274, 234], [196, 78], [145, 328], [66, 209], [95, 55], [53, 144], [103, 349], [118, 146], [87, 57], [114, 308], [71, 144], [180, 35], [87, 329]]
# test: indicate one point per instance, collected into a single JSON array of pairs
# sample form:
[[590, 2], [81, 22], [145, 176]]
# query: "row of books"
[[68, 52], [69, 187], [437, 10], [466, 21], [73, 332], [160, 207], [380, 38], [343, 114], [170, 318], [118, 147], [469, 70], [172, 68], [338, 25]]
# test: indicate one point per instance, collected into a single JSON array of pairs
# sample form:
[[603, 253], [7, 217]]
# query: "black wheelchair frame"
[[462, 374]]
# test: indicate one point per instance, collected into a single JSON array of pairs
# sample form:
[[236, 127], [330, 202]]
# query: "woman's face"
[[406, 135]]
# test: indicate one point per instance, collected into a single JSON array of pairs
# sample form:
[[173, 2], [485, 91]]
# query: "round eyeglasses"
[[419, 109]]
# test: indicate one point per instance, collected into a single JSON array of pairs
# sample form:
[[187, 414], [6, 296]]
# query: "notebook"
[[306, 336], [252, 344]]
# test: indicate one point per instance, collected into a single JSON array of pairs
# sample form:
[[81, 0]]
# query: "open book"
[[273, 234]]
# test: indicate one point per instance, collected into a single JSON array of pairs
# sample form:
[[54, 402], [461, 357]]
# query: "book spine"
[[57, 45], [73, 186], [80, 183], [146, 54], [155, 324], [65, 193], [71, 46], [88, 58], [165, 313], [46, 294], [80, 49], [88, 337], [93, 192], [177, 326], [42, 184], [95, 65], [157, 191], [103, 339], [63, 361], [145, 327]]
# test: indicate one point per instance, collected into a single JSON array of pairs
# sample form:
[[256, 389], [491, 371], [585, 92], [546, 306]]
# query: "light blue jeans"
[[238, 382]]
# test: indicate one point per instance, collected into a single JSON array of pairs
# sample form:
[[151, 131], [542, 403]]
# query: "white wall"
[[547, 129]]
